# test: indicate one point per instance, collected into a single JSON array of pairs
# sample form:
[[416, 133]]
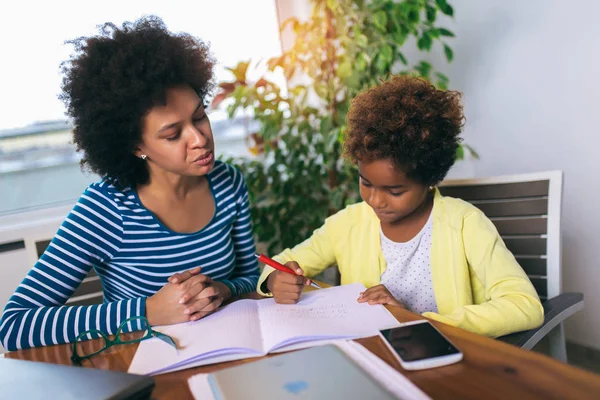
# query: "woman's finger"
[[211, 307], [208, 291], [196, 306], [192, 292], [185, 275]]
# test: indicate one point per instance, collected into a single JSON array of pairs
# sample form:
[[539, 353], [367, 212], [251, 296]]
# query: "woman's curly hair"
[[113, 80], [407, 120]]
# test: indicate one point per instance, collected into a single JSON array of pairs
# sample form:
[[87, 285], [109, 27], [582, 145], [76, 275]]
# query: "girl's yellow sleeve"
[[511, 303], [314, 255]]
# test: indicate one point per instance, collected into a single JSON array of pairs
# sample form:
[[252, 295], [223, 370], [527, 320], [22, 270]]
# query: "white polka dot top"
[[408, 272]]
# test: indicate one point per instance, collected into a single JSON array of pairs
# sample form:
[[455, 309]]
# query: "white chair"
[[526, 210]]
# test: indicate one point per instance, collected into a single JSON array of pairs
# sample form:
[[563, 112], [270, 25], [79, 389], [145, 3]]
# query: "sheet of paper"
[[392, 380], [235, 327], [328, 313]]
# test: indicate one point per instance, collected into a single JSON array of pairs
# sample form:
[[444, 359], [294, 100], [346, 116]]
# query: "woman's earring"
[[143, 157]]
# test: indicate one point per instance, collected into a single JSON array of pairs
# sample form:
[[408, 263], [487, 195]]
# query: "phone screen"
[[418, 342]]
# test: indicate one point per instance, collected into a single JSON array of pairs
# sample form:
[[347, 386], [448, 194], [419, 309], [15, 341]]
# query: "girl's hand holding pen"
[[286, 288]]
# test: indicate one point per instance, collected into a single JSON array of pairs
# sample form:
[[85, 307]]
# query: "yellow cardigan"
[[477, 283]]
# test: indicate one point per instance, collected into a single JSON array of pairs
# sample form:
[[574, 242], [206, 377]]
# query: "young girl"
[[409, 245], [164, 208]]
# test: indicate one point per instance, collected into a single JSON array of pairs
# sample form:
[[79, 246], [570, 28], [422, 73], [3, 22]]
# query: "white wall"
[[530, 74]]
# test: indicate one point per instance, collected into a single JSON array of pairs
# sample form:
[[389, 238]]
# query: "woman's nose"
[[198, 138]]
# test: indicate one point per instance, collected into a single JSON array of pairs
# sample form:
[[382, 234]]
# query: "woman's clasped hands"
[[188, 296]]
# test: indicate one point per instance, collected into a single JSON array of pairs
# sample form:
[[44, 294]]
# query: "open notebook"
[[253, 328]]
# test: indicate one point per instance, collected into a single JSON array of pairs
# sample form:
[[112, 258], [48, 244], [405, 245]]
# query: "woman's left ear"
[[138, 153]]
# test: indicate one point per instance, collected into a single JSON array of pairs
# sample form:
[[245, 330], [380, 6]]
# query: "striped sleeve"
[[245, 274], [36, 314]]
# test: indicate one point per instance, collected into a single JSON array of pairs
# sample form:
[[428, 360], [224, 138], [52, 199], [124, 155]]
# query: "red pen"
[[269, 261]]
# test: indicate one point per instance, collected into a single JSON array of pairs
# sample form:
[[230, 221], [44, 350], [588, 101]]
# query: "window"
[[38, 164]]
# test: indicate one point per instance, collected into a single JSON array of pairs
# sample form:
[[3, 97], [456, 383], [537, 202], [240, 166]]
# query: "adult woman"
[[164, 208]]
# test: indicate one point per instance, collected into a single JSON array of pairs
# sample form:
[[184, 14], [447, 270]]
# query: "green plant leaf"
[[361, 63], [387, 53], [431, 13], [332, 139], [362, 41], [325, 126], [353, 81], [424, 69], [460, 153], [445, 7], [402, 58], [424, 42], [380, 20], [333, 4], [474, 154], [399, 37], [381, 64], [446, 32], [442, 82], [413, 15], [344, 70], [449, 53], [434, 33], [320, 90], [337, 198]]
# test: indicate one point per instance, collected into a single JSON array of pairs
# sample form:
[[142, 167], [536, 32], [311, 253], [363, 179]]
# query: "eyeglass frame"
[[76, 359]]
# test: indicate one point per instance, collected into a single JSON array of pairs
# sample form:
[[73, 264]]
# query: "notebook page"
[[321, 314], [232, 329]]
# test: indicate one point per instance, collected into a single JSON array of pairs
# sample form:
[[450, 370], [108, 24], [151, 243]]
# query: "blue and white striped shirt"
[[134, 254]]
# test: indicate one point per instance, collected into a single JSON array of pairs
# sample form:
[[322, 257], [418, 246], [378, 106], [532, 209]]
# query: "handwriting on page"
[[328, 312], [281, 322]]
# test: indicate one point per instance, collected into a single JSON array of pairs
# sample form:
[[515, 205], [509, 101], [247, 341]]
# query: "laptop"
[[322, 372], [35, 380]]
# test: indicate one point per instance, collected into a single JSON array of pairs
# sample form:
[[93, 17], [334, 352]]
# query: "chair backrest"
[[526, 210], [89, 291]]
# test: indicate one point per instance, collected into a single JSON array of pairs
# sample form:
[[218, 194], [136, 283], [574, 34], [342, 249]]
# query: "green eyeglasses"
[[83, 348]]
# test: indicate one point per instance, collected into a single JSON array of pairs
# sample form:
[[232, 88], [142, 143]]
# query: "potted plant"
[[299, 177]]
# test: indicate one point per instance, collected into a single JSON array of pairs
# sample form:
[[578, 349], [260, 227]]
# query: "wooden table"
[[490, 369]]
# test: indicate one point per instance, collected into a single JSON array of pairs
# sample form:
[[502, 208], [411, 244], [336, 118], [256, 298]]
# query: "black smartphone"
[[419, 345]]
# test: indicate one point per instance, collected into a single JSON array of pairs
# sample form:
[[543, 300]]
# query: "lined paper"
[[333, 313], [233, 330]]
